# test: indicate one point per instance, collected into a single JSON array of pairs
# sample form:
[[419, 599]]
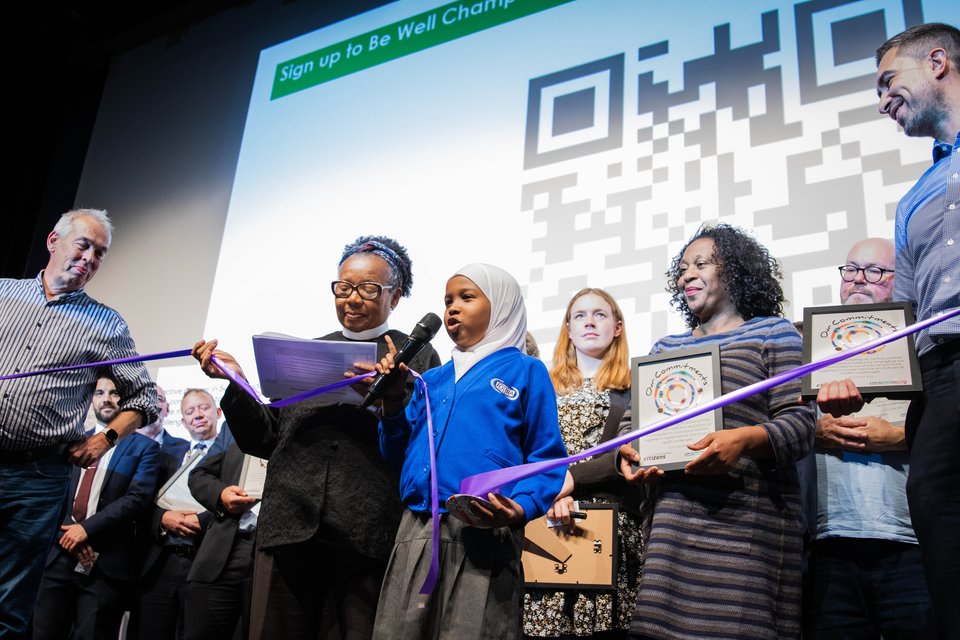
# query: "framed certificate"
[[585, 558], [891, 371], [175, 494], [668, 384], [253, 475]]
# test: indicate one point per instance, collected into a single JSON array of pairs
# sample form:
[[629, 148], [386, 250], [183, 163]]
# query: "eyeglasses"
[[366, 290], [871, 274]]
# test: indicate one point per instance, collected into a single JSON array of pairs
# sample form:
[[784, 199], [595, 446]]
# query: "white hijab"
[[508, 317]]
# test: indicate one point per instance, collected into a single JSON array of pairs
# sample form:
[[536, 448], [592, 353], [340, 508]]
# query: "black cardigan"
[[326, 480]]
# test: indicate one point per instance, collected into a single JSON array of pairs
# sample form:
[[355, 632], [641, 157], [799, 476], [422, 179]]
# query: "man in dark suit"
[[172, 452], [92, 568], [218, 585], [172, 448], [175, 533]]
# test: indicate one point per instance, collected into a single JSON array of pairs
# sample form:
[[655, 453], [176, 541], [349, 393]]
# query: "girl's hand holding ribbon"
[[503, 512]]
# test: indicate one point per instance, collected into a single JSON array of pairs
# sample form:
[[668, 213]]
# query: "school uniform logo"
[[502, 387]]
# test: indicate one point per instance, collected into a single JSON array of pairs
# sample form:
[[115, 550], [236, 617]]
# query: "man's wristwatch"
[[111, 436]]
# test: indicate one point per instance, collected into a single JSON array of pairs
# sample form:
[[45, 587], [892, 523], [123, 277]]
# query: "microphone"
[[421, 335]]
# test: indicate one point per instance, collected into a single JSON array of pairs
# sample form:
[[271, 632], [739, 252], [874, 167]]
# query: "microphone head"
[[426, 328]]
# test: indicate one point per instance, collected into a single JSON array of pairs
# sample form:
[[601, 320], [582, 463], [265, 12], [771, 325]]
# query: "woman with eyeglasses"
[[331, 507]]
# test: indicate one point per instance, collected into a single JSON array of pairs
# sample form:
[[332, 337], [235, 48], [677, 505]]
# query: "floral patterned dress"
[[572, 612]]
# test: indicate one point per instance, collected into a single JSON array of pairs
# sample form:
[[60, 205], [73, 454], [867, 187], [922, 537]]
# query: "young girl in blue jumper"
[[493, 407]]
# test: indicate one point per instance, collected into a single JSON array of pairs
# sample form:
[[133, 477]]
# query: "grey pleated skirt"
[[479, 593]]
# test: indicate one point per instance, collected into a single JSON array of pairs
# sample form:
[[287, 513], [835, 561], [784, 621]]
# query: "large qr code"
[[627, 155]]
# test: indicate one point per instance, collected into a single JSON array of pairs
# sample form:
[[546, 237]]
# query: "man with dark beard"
[[91, 569]]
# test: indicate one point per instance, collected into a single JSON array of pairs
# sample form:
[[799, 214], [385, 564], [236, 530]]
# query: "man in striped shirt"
[[47, 322]]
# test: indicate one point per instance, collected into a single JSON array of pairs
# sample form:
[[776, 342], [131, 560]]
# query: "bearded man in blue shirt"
[[918, 83]]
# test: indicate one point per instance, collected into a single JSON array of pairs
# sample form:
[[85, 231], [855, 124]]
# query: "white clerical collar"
[[367, 334], [588, 366]]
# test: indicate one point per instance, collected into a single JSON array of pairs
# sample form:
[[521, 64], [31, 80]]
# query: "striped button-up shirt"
[[36, 333], [928, 245]]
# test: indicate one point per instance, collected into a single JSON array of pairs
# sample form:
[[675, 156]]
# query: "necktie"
[[83, 493], [197, 446]]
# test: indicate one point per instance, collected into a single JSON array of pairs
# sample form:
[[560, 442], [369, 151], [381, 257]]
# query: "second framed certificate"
[[668, 384], [890, 371]]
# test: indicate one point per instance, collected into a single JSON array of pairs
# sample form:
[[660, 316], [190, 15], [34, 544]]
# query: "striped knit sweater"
[[723, 557]]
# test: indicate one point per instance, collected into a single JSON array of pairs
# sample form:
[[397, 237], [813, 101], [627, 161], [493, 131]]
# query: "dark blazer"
[[599, 476], [219, 469], [126, 494], [326, 480], [171, 455], [172, 452]]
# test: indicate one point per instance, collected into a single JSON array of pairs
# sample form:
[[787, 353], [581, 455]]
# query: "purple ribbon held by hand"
[[431, 581], [491, 481], [230, 373], [103, 363]]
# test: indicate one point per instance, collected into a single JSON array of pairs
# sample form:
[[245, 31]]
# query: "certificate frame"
[[583, 559], [666, 384], [253, 475], [829, 329], [175, 494]]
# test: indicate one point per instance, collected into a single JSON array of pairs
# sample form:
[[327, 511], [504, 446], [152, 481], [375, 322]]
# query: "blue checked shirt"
[[36, 333], [928, 245]]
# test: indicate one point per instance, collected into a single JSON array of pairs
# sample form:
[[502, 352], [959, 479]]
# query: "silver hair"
[[65, 224], [194, 390]]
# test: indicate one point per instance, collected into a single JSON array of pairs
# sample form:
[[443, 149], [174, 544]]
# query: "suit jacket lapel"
[[74, 482], [122, 446]]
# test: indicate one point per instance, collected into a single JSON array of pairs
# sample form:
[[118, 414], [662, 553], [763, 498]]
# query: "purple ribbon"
[[165, 355], [102, 363], [237, 379], [491, 481], [434, 573], [431, 581]]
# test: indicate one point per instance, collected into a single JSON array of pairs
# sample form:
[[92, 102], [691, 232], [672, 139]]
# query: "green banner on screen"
[[413, 34]]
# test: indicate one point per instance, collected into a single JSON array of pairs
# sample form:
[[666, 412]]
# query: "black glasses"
[[366, 290], [872, 273]]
